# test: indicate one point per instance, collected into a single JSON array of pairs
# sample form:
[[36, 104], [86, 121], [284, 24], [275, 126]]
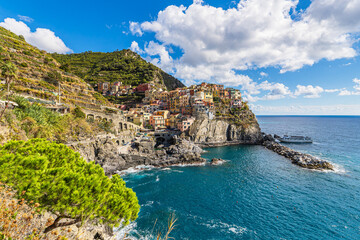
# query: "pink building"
[[185, 123], [157, 121]]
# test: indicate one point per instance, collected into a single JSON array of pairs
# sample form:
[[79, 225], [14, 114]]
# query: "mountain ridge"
[[123, 66]]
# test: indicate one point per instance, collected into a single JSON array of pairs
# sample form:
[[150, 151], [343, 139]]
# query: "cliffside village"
[[176, 109]]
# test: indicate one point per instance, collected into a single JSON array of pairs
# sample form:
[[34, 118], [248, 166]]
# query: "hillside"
[[39, 74], [124, 66]]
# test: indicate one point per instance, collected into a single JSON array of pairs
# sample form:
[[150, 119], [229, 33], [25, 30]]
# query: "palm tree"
[[9, 72]]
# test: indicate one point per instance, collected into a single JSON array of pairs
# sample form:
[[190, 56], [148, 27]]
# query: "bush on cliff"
[[36, 121], [62, 182]]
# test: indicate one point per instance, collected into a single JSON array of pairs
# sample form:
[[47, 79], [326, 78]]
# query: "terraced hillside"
[[124, 66], [40, 74]]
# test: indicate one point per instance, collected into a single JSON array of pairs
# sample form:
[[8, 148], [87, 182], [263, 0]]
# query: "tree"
[[58, 179], [9, 72]]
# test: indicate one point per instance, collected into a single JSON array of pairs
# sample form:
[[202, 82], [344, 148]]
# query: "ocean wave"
[[221, 226], [189, 165], [338, 168], [147, 204], [124, 232], [171, 169], [136, 169]]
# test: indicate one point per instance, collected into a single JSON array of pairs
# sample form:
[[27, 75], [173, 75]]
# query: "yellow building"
[[208, 96]]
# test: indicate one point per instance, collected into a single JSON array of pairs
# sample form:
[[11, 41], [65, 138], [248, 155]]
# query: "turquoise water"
[[257, 194]]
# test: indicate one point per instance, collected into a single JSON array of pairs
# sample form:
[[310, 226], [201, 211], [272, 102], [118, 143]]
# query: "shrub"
[[24, 64], [62, 182], [78, 113]]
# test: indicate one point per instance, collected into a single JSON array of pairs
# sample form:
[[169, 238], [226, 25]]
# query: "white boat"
[[295, 139]]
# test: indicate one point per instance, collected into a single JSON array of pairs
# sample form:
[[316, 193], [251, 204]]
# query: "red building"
[[103, 86], [143, 87]]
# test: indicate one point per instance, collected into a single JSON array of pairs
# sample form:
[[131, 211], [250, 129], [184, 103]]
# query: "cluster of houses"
[[176, 109], [114, 89]]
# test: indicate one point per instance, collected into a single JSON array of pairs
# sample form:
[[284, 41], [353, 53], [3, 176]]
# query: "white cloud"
[[25, 18], [135, 29], [264, 74], [198, 1], [255, 34], [308, 91], [42, 38], [135, 47], [345, 92], [332, 90], [163, 58], [357, 84], [276, 90], [273, 91]]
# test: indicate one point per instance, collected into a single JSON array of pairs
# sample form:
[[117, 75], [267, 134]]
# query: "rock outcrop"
[[215, 132], [217, 161], [106, 152], [300, 159]]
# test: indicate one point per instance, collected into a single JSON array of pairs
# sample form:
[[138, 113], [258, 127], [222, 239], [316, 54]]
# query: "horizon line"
[[305, 115]]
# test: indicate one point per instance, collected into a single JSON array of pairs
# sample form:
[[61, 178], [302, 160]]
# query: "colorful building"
[[103, 87], [143, 87], [157, 121], [185, 123]]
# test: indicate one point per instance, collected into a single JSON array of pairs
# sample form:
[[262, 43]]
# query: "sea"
[[257, 194]]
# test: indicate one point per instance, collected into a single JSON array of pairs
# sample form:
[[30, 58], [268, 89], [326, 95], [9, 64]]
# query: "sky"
[[288, 57]]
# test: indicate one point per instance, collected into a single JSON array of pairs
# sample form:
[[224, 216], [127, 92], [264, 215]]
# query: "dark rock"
[[268, 137], [300, 159], [98, 236], [216, 161], [105, 153], [276, 136]]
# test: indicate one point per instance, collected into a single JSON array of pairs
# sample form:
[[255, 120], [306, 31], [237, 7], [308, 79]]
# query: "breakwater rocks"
[[300, 159], [111, 155]]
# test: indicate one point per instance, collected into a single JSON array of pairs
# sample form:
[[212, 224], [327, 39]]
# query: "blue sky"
[[287, 57]]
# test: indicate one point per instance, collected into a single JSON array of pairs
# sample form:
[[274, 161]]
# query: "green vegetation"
[[78, 113], [39, 74], [124, 66], [62, 182], [9, 72], [36, 121], [130, 100]]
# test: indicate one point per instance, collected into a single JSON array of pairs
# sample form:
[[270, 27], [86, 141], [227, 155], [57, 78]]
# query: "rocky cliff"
[[225, 131]]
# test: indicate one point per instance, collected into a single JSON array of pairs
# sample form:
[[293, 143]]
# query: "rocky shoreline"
[[223, 144], [107, 153], [297, 158]]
